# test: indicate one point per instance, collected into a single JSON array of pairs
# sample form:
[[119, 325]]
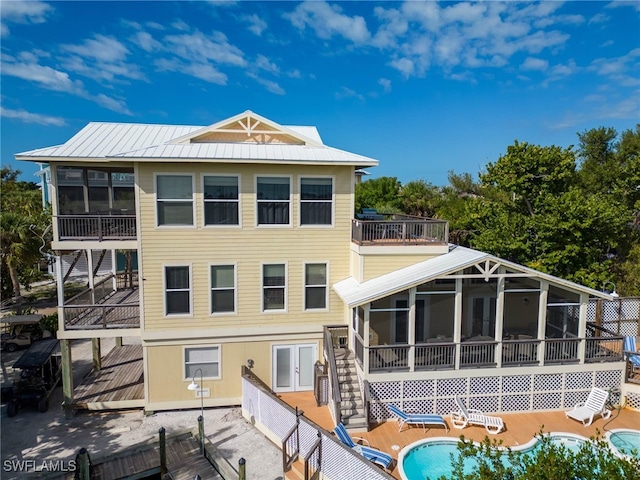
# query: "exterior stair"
[[352, 409]]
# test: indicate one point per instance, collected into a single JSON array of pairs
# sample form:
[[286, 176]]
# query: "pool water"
[[432, 458], [626, 442]]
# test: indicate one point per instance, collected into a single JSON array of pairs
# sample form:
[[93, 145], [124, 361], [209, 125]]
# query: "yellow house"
[[242, 248]]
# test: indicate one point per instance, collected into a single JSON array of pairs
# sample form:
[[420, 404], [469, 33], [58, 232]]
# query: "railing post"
[[163, 452], [83, 465], [201, 432], [242, 469]]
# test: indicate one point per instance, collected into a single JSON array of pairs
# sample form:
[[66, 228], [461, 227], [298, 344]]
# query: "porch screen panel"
[[316, 196], [273, 195], [521, 305], [563, 313], [98, 191], [221, 200], [175, 199], [70, 191], [123, 193]]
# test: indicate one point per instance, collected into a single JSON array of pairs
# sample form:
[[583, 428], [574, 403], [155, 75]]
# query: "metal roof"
[[148, 142], [354, 293]]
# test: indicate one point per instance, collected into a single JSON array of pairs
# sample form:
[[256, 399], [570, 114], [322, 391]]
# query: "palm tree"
[[20, 247]]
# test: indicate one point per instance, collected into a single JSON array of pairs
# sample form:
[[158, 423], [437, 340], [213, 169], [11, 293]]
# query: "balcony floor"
[[119, 384], [520, 427]]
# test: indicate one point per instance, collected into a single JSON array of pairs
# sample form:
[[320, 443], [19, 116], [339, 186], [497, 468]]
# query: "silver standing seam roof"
[[165, 143], [354, 293]]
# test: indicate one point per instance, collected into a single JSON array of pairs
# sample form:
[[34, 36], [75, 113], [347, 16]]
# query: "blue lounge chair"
[[372, 454], [631, 353], [405, 418]]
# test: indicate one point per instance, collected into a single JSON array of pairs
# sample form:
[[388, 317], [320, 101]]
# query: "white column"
[[90, 274], [114, 268], [60, 289], [542, 319], [412, 329], [365, 338], [457, 326], [499, 321], [582, 327]]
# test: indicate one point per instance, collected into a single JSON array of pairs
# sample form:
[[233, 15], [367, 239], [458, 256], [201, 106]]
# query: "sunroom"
[[468, 309]]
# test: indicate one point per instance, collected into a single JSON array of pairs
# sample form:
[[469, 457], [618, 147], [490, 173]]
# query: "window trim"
[[333, 202], [218, 346], [304, 287], [239, 201], [164, 289], [235, 289], [290, 202], [285, 287], [193, 197]]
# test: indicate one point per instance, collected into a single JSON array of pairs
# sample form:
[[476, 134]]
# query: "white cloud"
[[263, 63], [51, 79], [623, 70], [270, 85], [256, 24], [203, 71], [28, 117], [146, 42], [532, 63], [328, 20], [385, 83], [23, 12], [199, 48], [346, 92], [404, 65]]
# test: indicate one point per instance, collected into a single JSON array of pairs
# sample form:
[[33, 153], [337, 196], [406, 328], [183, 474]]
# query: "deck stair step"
[[351, 404]]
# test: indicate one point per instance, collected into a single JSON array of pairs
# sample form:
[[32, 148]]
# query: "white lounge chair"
[[470, 416], [594, 405], [405, 418]]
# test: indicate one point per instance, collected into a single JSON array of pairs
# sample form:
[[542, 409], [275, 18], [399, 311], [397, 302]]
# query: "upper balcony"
[[398, 230], [94, 204]]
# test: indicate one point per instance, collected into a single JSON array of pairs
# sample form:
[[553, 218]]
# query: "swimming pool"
[[624, 441], [430, 458]]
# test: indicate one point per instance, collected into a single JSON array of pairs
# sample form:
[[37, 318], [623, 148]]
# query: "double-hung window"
[[177, 290], [273, 287], [205, 358], [221, 200], [274, 200], [315, 286], [316, 201], [223, 289], [174, 195]]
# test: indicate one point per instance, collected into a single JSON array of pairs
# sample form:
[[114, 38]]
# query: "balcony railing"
[[400, 230], [98, 227], [471, 354]]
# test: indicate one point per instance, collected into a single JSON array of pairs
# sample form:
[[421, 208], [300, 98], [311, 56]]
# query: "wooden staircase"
[[352, 410]]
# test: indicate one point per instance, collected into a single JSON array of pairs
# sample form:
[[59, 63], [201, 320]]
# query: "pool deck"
[[520, 427]]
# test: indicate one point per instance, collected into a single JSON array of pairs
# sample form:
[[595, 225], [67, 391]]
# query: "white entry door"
[[293, 367]]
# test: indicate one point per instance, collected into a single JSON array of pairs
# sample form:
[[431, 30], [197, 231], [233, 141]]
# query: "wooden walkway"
[[119, 384], [184, 462], [520, 427]]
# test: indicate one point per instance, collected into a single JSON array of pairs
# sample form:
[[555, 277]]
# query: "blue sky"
[[424, 87]]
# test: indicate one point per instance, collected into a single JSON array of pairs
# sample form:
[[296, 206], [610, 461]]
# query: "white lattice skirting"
[[491, 394]]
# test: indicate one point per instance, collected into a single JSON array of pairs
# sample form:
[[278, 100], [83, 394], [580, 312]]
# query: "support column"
[[412, 329], [96, 353], [114, 269], [499, 322], [118, 341], [67, 377], [90, 275], [582, 328], [457, 326], [60, 290], [365, 338], [542, 320]]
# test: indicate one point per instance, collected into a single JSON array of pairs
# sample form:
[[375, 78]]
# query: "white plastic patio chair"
[[470, 416], [594, 405]]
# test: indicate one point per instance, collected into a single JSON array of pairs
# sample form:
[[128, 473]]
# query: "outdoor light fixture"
[[250, 363], [614, 294], [194, 387]]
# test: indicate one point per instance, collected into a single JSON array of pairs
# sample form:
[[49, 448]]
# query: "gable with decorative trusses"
[[460, 262], [247, 127]]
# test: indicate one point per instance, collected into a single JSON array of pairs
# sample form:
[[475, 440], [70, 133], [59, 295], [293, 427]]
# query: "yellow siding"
[[249, 247], [376, 265], [165, 372]]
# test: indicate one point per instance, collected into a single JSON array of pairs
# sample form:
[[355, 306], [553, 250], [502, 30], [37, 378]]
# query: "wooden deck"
[[184, 461], [119, 384], [520, 427]]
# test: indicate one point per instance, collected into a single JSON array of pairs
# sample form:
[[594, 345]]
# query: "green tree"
[[23, 223], [419, 198], [549, 461], [379, 193]]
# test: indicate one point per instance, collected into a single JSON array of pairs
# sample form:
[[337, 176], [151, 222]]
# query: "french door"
[[293, 367]]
